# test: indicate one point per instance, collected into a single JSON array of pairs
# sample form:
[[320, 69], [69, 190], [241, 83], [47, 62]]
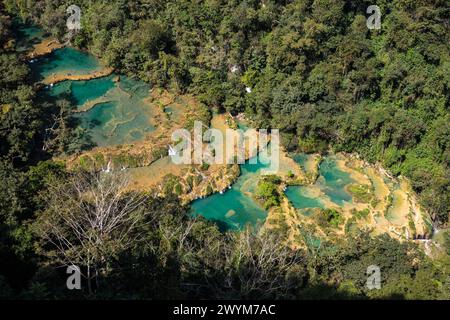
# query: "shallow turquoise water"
[[300, 199], [242, 126], [125, 118], [246, 210], [120, 115], [111, 123], [66, 60], [332, 181], [82, 91]]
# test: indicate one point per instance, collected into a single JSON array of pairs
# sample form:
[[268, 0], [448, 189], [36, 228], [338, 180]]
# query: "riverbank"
[[146, 160], [390, 207], [152, 146], [59, 77], [45, 47]]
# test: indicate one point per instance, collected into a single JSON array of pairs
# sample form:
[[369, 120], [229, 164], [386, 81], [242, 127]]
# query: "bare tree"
[[258, 264], [245, 264], [89, 218]]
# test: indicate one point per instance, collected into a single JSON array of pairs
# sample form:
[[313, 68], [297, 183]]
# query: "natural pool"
[[235, 207], [330, 185], [399, 205], [301, 197], [112, 123], [304, 160], [113, 108], [114, 112], [66, 60], [27, 35], [81, 92], [333, 180]]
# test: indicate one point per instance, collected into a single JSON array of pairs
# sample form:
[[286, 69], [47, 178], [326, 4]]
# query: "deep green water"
[[27, 35]]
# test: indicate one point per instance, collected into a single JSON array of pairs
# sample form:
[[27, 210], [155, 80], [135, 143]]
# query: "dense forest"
[[313, 69]]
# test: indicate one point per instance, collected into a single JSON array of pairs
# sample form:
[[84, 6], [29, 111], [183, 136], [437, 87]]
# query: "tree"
[[260, 265], [267, 191], [88, 219]]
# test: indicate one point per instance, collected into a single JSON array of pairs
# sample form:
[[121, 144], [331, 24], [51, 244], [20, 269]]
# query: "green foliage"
[[178, 189], [401, 278], [170, 182], [204, 166], [361, 214], [447, 242], [361, 193], [330, 217], [267, 191], [159, 153], [190, 181], [350, 226], [209, 189], [198, 179], [315, 72], [375, 201]]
